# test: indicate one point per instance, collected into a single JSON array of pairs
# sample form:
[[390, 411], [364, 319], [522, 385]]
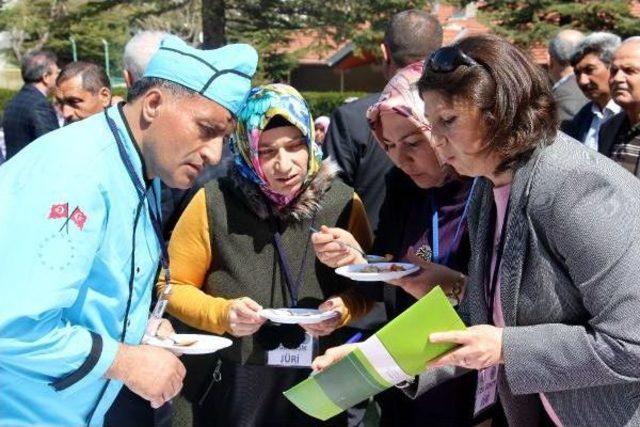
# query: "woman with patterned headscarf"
[[423, 215], [243, 244]]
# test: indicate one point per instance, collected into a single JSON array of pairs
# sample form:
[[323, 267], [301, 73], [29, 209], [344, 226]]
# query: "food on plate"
[[284, 312], [183, 342], [287, 312], [177, 339], [386, 269]]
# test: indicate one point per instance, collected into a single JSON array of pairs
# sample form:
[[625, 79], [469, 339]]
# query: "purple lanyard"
[[292, 286], [490, 290], [435, 228]]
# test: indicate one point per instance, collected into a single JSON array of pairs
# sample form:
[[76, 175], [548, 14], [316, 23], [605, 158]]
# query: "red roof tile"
[[317, 47], [539, 54], [444, 12]]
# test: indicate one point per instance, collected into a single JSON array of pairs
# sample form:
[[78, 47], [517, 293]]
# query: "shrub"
[[320, 103], [323, 103], [5, 96]]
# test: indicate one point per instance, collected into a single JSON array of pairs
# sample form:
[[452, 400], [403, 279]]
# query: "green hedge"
[[5, 96], [120, 91], [319, 102], [323, 103]]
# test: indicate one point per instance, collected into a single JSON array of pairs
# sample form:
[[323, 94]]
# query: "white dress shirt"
[[611, 109]]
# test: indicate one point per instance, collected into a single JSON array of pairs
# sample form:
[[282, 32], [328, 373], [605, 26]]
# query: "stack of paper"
[[396, 353]]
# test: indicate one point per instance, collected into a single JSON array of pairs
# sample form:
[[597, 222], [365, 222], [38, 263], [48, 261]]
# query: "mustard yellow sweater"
[[190, 257]]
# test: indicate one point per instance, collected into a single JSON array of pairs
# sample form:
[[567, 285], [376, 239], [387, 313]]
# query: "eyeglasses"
[[447, 59]]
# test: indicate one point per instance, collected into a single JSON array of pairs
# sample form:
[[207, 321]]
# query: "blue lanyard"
[[292, 286], [435, 227], [142, 192]]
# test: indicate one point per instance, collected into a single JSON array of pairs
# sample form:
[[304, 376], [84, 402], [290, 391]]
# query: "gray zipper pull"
[[216, 377]]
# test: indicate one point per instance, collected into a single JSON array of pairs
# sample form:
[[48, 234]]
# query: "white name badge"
[[486, 393], [300, 357]]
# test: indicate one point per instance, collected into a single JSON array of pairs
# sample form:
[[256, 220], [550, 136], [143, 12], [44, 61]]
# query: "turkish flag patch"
[[60, 210], [79, 218]]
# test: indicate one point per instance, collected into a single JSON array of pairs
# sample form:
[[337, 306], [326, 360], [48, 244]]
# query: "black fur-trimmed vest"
[[245, 261]]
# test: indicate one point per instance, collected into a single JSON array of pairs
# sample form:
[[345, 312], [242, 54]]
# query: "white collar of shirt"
[[592, 136], [611, 109], [561, 81]]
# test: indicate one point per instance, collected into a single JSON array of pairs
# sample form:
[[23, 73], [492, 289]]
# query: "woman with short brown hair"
[[517, 108], [552, 298], [553, 287]]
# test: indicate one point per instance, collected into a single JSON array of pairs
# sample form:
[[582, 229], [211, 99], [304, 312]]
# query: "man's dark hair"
[[601, 44], [142, 86], [93, 76], [411, 36], [511, 91], [37, 64]]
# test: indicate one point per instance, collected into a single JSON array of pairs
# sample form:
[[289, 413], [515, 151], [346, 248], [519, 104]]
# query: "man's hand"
[[327, 326], [480, 347], [243, 317], [331, 356], [153, 373], [330, 251]]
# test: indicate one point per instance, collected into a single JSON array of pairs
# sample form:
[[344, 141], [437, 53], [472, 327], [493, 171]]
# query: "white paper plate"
[[354, 271], [300, 316], [204, 344]]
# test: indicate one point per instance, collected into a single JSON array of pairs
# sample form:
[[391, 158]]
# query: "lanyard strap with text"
[[493, 284], [435, 227], [158, 310], [292, 286]]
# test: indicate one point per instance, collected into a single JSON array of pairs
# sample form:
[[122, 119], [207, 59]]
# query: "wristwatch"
[[455, 293], [405, 384]]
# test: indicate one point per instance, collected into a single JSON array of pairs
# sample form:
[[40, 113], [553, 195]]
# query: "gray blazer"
[[569, 99], [569, 288]]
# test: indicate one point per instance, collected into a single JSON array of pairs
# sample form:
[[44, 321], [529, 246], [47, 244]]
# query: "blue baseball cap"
[[222, 75]]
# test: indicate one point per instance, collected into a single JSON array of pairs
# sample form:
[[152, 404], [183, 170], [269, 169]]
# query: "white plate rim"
[[293, 320], [167, 344], [346, 271]]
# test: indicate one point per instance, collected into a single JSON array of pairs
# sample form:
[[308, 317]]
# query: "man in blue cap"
[[79, 228]]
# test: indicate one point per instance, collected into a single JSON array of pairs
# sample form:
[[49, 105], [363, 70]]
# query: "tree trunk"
[[213, 23]]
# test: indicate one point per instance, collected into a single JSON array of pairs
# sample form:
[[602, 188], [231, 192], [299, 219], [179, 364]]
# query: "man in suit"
[[137, 54], [82, 90], [29, 115], [409, 36], [620, 135], [590, 63], [566, 92]]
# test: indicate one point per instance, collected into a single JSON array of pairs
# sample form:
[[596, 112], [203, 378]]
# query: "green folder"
[[353, 379]]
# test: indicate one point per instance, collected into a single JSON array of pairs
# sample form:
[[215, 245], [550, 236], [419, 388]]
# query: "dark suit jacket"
[[569, 98], [609, 131], [350, 143], [568, 288], [27, 117], [579, 125]]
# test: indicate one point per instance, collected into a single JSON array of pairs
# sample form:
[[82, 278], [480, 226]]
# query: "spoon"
[[180, 341], [368, 258]]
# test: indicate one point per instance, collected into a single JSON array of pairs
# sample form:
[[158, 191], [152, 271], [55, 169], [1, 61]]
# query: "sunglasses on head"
[[447, 59]]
